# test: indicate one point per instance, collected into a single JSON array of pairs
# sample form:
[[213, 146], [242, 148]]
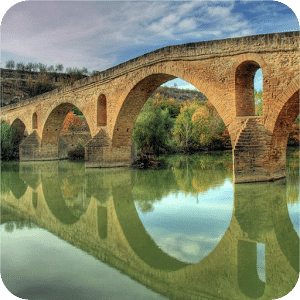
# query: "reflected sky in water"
[[187, 226], [81, 233]]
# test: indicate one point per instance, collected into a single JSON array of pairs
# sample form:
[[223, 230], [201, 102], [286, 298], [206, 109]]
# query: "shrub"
[[9, 142], [152, 129]]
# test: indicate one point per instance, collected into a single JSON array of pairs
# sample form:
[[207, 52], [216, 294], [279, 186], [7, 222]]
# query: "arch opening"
[[244, 88], [283, 126], [20, 134], [65, 133], [258, 92], [21, 129], [153, 112]]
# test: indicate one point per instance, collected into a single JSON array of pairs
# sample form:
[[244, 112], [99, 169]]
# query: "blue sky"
[[102, 34]]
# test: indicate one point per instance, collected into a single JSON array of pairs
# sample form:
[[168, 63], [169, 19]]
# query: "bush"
[[43, 84], [152, 129], [9, 142]]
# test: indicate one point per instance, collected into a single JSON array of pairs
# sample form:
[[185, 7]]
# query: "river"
[[182, 232]]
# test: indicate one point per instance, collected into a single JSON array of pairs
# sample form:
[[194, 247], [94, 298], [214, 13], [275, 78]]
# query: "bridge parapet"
[[192, 51]]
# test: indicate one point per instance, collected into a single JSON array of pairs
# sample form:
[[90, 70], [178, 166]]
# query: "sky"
[[101, 34]]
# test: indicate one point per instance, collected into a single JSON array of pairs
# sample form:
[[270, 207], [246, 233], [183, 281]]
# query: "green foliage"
[[84, 71], [258, 98], [163, 102], [198, 126], [208, 128], [184, 130], [59, 68], [152, 129], [20, 66], [42, 85], [42, 67], [10, 64], [50, 69], [9, 142], [77, 111], [29, 66], [94, 72]]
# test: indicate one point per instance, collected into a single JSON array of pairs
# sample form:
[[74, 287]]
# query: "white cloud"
[[97, 34]]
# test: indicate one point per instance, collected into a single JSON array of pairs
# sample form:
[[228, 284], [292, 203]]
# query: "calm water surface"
[[182, 232]]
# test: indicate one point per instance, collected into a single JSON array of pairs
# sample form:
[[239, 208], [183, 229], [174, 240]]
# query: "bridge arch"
[[21, 128], [245, 68], [141, 88], [282, 127], [52, 146]]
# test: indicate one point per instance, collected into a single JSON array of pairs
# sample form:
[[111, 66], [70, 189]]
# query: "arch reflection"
[[109, 228]]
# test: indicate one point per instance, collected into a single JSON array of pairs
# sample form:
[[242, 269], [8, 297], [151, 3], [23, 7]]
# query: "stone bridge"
[[109, 228], [223, 70]]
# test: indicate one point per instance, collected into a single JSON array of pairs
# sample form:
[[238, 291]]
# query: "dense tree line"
[[40, 67], [165, 125]]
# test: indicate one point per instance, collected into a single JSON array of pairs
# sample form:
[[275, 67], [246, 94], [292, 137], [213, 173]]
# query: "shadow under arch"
[[136, 235], [283, 125], [53, 182], [21, 134]]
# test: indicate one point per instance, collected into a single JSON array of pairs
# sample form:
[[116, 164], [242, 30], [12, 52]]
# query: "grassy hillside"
[[20, 85]]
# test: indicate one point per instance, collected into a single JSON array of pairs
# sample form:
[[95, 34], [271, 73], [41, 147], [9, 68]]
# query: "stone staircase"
[[251, 151], [251, 135]]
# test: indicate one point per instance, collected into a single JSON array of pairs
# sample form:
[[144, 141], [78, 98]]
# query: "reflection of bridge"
[[223, 70], [109, 229]]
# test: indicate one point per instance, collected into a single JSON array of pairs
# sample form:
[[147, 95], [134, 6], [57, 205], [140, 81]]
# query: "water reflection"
[[111, 214]]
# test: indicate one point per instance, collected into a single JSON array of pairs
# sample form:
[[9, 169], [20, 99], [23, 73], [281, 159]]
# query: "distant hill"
[[20, 85], [180, 95]]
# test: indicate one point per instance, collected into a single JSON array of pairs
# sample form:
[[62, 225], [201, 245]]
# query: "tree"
[[258, 98], [20, 66], [152, 129], [84, 71], [77, 111], [50, 69], [162, 102], [42, 85], [42, 67], [35, 67], [29, 66], [184, 126], [208, 125], [10, 64], [59, 68], [9, 138], [94, 72]]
